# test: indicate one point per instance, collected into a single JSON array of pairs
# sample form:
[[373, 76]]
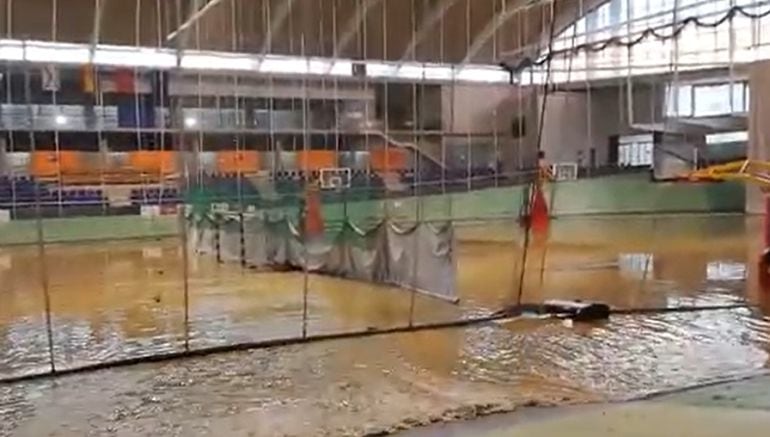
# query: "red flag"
[[539, 220], [88, 79], [124, 81], [314, 222]]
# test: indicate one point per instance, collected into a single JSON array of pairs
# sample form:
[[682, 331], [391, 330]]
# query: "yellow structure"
[[753, 171]]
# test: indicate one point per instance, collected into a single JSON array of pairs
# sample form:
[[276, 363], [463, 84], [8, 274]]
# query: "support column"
[[759, 128]]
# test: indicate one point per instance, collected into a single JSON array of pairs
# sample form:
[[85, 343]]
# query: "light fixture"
[[61, 120], [190, 121]]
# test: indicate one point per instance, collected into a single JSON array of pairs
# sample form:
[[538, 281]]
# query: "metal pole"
[[39, 228], [306, 148], [418, 200], [185, 274], [176, 113]]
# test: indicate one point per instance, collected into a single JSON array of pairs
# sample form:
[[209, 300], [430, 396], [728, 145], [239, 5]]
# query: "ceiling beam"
[[491, 27], [96, 31], [430, 20], [275, 24], [352, 26], [196, 10]]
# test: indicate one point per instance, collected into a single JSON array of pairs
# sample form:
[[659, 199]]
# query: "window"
[[679, 101], [728, 137], [635, 150], [696, 47], [718, 99], [711, 100], [739, 104], [706, 100]]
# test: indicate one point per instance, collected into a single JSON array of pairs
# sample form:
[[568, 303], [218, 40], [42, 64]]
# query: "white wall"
[[478, 109], [577, 121], [565, 131], [490, 110]]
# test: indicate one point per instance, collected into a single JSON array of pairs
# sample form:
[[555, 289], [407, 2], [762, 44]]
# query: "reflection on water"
[[124, 299]]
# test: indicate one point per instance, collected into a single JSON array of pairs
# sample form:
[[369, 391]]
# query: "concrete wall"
[[565, 127], [476, 110], [628, 194], [574, 121], [637, 194], [479, 109], [577, 121]]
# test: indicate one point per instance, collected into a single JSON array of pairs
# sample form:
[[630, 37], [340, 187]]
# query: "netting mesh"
[[417, 257], [204, 123]]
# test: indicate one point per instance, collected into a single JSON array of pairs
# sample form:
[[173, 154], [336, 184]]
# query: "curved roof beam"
[[492, 25], [362, 10], [275, 24], [426, 25], [96, 30], [196, 12], [567, 12]]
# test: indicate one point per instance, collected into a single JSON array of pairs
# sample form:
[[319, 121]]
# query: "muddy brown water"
[[123, 299]]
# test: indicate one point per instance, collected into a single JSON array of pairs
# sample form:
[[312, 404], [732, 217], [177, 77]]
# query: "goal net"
[[564, 171], [335, 178]]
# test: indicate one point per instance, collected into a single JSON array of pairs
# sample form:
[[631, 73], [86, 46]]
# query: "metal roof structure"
[[442, 31]]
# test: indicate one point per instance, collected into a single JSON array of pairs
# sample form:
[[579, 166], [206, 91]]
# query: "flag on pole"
[[88, 79], [539, 219], [50, 78], [313, 217], [124, 81]]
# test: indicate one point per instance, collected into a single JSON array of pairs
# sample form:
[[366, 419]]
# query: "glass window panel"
[[712, 100], [746, 97], [738, 104], [727, 137], [684, 106]]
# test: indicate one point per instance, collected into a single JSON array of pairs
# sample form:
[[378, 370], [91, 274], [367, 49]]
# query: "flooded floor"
[[123, 299]]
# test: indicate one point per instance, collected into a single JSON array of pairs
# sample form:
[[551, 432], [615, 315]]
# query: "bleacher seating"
[[73, 198], [20, 195], [19, 191], [155, 196]]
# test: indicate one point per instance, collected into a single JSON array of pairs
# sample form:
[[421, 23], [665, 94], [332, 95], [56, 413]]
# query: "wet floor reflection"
[[115, 300]]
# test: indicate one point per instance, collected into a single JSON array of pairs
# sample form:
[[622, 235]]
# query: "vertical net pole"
[[629, 71], [9, 72], [385, 105], [520, 142], [137, 117], [176, 117], [96, 110], [364, 50], [587, 84], [731, 65], [443, 124], [41, 252], [495, 145], [417, 153], [273, 142], [240, 118], [520, 122], [674, 65], [541, 125], [337, 110], [544, 254], [54, 102], [306, 148], [466, 124]]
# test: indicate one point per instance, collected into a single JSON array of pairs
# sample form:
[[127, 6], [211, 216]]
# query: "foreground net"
[[419, 256]]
